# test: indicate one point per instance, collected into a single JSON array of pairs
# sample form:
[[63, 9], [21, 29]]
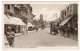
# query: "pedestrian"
[[36, 28], [68, 30], [10, 36]]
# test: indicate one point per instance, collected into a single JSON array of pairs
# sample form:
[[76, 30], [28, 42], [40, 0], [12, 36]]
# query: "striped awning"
[[64, 21], [17, 21], [7, 20], [13, 20]]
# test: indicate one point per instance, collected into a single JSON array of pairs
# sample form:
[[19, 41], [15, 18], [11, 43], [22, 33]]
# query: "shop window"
[[8, 7]]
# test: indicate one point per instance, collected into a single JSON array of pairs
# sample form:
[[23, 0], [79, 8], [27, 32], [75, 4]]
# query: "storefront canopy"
[[56, 20], [17, 21], [64, 21], [7, 20], [29, 24], [13, 20]]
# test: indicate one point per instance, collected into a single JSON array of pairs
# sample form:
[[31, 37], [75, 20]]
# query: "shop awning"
[[17, 21], [7, 20], [56, 20], [29, 24], [64, 21]]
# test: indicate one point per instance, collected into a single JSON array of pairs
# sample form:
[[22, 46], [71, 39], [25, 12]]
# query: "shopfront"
[[16, 23], [7, 23], [69, 27]]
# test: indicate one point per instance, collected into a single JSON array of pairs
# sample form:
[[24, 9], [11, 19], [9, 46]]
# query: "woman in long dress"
[[10, 36]]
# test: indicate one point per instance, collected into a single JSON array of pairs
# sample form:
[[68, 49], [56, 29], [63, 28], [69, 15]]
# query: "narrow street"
[[57, 25], [42, 38]]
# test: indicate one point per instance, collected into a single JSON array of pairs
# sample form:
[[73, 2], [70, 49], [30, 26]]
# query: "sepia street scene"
[[40, 25]]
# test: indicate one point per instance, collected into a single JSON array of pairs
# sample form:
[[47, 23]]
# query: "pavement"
[[17, 34], [42, 38]]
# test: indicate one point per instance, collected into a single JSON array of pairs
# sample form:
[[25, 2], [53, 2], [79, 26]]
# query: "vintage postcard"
[[40, 25]]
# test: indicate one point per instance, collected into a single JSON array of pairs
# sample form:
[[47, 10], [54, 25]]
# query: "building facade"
[[71, 26], [41, 21], [63, 15], [23, 11]]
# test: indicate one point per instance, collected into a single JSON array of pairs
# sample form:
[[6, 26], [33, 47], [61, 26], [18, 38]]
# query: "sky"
[[48, 10]]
